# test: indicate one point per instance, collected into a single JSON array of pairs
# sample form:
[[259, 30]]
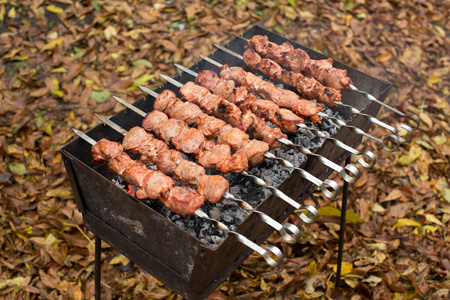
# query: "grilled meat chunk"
[[168, 160], [119, 163], [154, 120], [149, 150], [233, 137], [210, 158], [135, 173], [182, 201], [170, 130], [188, 172], [255, 152], [134, 139], [213, 187], [105, 150], [210, 126], [155, 184], [237, 163]]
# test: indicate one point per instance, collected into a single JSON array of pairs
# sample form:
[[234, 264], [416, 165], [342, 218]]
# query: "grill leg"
[[342, 228], [98, 253]]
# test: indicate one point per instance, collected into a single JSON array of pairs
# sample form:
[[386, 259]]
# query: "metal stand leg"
[[342, 229], [98, 253]]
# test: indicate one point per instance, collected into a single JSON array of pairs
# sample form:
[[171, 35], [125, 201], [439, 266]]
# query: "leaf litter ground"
[[60, 61]]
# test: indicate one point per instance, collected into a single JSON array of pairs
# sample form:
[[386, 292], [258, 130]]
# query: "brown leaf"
[[74, 71]]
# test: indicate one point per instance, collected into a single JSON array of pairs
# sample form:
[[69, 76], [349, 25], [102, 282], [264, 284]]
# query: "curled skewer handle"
[[312, 211], [374, 121], [412, 117], [270, 221], [329, 188], [242, 239], [352, 169], [356, 130], [372, 159]]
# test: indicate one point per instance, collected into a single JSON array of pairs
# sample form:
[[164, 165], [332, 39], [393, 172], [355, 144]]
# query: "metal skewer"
[[411, 116], [372, 158], [304, 150], [244, 205], [385, 146], [275, 191], [351, 108], [219, 225]]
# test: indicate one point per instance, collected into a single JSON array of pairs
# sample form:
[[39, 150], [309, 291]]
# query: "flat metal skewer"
[[372, 158], [281, 228], [385, 145], [219, 225], [410, 116], [351, 108]]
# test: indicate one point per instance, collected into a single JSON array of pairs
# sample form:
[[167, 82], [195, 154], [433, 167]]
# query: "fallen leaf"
[[405, 222]]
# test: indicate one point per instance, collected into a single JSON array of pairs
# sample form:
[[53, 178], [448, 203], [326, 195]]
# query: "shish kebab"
[[171, 162], [270, 91], [214, 104], [156, 185], [156, 120], [283, 118], [275, 72], [322, 70]]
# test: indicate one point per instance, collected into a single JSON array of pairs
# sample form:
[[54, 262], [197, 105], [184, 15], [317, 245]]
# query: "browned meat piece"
[[192, 141], [186, 111], [104, 151], [135, 173], [286, 119], [212, 82], [171, 129], [237, 163], [153, 120], [255, 151], [149, 150], [181, 200], [261, 130], [213, 187], [237, 74], [164, 100], [168, 160], [188, 172], [119, 163], [154, 185], [233, 137], [228, 112], [210, 126], [134, 139], [210, 158], [191, 93]]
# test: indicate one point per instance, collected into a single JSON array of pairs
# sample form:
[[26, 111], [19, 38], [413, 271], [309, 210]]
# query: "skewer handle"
[[244, 240]]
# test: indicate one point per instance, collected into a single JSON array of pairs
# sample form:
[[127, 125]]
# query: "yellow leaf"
[[426, 119], [378, 208], [60, 193], [312, 268], [55, 9], [119, 259], [329, 211], [433, 80], [413, 154], [347, 267], [2, 12], [110, 32], [429, 228], [432, 218], [53, 44], [59, 70], [405, 222], [384, 57], [12, 13]]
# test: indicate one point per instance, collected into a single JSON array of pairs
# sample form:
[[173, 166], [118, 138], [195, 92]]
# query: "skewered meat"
[[149, 150], [229, 112], [267, 90], [172, 162], [238, 162], [184, 201], [299, 61], [242, 97], [209, 159], [153, 184], [104, 149], [255, 152], [309, 87]]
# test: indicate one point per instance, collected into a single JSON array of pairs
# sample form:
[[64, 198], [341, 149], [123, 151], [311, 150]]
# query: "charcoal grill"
[[178, 258]]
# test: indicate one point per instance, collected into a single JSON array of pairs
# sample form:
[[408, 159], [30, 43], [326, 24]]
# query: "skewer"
[[244, 205], [303, 150], [342, 123], [370, 97], [351, 108], [368, 154], [219, 225], [262, 183]]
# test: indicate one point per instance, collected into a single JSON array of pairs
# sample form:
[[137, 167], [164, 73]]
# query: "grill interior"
[[190, 255]]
